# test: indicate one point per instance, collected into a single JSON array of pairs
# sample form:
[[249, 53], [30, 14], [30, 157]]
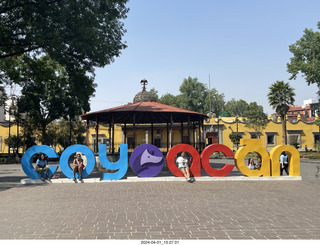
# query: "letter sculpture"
[[26, 161]]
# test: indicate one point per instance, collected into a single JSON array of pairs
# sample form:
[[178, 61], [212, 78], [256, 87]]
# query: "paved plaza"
[[171, 210]]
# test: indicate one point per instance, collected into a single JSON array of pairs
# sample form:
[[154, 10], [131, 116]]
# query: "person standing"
[[41, 165], [284, 163]]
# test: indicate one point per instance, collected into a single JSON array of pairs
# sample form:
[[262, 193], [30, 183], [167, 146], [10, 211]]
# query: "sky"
[[243, 45]]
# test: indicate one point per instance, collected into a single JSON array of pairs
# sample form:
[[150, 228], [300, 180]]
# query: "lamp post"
[[237, 132], [12, 110], [7, 109]]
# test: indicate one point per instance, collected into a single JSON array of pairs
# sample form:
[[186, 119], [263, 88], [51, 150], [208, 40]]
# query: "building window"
[[253, 135], [102, 139], [271, 139], [294, 140]]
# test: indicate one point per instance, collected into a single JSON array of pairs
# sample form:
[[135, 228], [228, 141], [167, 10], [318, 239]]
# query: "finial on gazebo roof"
[[144, 82]]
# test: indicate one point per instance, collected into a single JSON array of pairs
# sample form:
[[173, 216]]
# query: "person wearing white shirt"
[[284, 163], [183, 166]]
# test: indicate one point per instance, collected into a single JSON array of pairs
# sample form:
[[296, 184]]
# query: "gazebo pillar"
[[134, 130], [147, 136], [200, 135], [203, 133], [112, 134], [171, 135], [152, 133], [188, 141], [167, 137], [125, 134], [193, 135], [87, 132], [97, 136], [181, 133], [109, 130]]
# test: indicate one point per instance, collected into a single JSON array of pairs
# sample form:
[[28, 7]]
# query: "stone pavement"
[[160, 210]]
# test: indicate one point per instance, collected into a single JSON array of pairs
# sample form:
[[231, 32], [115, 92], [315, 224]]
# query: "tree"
[[169, 99], [65, 137], [214, 102], [236, 107], [155, 93], [49, 93], [280, 96], [235, 138], [14, 142], [193, 94], [306, 57], [75, 33], [255, 118]]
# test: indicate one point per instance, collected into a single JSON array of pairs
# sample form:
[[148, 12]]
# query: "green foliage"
[[236, 107], [214, 102], [235, 137], [317, 122], [64, 133], [49, 93], [310, 155], [224, 114], [280, 96], [155, 93], [306, 57], [75, 33], [193, 95], [69, 133], [50, 49], [170, 99], [255, 118], [14, 142]]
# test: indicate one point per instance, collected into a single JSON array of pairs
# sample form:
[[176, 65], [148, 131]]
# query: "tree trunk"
[[284, 129]]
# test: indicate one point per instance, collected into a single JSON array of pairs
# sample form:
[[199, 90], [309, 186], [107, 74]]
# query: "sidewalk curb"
[[155, 179]]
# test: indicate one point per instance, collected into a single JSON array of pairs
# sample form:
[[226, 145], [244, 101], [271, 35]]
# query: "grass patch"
[[310, 155]]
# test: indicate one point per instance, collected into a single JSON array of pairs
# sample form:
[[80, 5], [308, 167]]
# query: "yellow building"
[[7, 129], [302, 134]]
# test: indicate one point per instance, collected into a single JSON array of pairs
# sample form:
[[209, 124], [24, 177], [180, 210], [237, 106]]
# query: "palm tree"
[[280, 96]]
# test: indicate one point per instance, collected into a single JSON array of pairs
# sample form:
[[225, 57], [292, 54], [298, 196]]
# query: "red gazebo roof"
[[144, 112]]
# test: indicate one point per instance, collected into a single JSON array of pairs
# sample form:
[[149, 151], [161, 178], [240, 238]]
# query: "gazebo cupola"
[[144, 96]]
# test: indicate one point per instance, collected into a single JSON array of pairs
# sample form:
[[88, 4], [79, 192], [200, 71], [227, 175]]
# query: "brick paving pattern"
[[160, 210]]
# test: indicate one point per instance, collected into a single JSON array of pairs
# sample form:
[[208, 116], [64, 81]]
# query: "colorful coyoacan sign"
[[147, 160]]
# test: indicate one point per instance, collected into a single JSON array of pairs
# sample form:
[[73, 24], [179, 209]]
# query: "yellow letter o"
[[252, 145]]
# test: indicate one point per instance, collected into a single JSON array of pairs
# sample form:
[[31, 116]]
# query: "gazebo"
[[147, 112]]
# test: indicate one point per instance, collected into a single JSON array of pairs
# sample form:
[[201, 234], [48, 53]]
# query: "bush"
[[310, 155], [314, 155]]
